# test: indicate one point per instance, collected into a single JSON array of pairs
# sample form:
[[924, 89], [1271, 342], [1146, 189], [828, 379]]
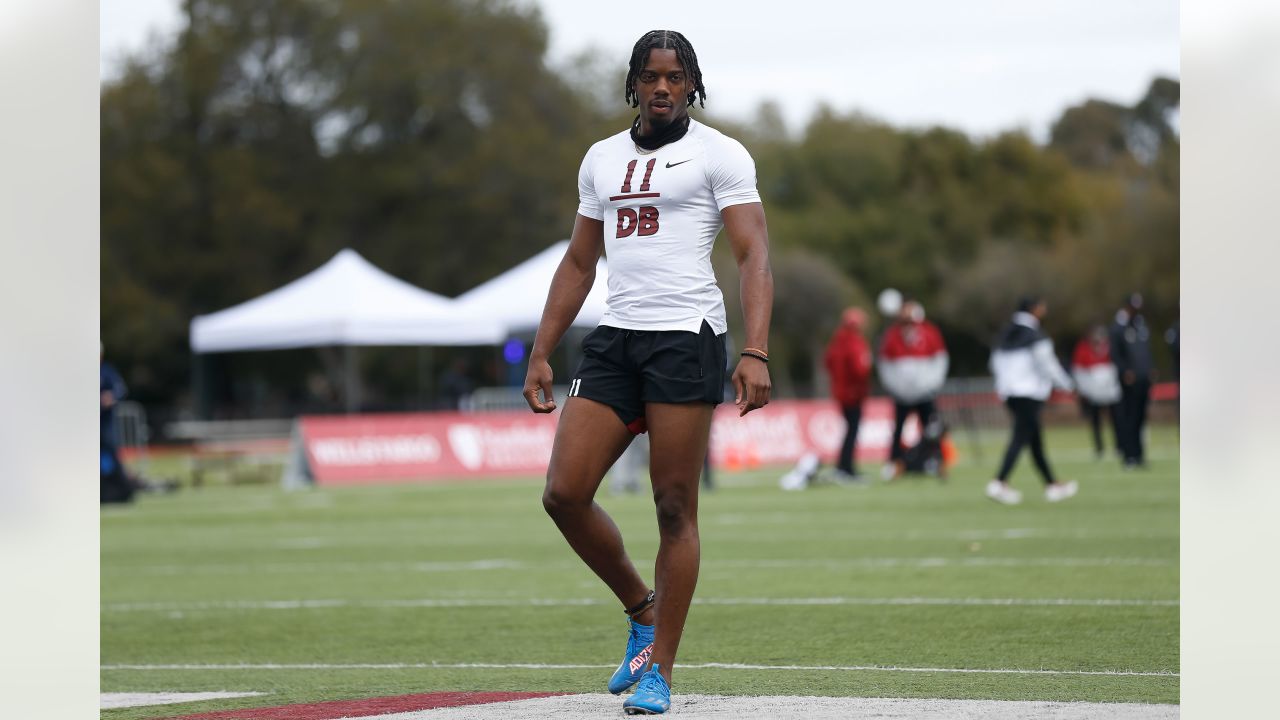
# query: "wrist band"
[[757, 354]]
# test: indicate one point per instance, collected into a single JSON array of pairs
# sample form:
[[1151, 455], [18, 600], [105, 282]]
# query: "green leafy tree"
[[271, 134]]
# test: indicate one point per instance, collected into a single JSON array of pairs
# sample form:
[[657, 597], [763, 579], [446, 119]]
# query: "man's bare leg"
[[678, 435], [589, 439]]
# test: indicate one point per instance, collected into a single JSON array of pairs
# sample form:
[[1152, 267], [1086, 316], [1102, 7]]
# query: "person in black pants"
[[1026, 371], [912, 362], [1097, 384], [848, 363], [1131, 353]]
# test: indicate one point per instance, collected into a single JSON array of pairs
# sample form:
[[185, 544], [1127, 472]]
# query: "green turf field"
[[915, 575]]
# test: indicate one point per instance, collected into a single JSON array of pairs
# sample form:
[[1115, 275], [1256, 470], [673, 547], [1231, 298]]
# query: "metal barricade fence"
[[971, 402], [968, 401], [132, 432], [488, 399]]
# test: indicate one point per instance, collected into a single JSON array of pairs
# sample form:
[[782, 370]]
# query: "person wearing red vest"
[[912, 365], [848, 361], [1097, 382]]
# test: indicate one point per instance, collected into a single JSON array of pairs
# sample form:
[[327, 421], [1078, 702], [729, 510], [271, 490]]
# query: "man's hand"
[[1130, 377], [108, 399], [539, 378], [752, 384]]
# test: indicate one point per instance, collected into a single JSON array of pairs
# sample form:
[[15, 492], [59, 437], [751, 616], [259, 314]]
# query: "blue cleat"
[[636, 658], [652, 695]]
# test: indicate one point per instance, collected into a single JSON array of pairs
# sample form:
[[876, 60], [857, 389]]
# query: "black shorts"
[[625, 369]]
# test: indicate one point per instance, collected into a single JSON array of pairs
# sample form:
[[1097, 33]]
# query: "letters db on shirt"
[[360, 449]]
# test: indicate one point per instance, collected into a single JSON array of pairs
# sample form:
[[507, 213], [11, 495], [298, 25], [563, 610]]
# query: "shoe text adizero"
[[635, 659]]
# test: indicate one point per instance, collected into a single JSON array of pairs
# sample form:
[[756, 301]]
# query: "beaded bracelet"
[[760, 355]]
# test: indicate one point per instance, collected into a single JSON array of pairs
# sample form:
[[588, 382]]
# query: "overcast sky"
[[980, 66]]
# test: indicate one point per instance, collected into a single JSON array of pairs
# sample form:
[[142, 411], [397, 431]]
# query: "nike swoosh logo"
[[671, 164]]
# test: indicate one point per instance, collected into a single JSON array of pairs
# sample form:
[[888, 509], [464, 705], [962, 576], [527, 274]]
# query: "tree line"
[[439, 141]]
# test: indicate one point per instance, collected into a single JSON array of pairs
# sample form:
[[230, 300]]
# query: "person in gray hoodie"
[[1026, 371]]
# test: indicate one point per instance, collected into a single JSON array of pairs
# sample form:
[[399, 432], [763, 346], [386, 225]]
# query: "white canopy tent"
[[516, 297], [346, 301]]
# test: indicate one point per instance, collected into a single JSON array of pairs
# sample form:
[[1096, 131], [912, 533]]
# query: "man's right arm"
[[569, 287]]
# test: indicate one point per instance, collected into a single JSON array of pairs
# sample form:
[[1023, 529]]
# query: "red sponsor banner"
[[363, 448], [784, 430], [355, 449]]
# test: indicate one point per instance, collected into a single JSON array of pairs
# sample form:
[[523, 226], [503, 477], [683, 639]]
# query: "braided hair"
[[665, 40]]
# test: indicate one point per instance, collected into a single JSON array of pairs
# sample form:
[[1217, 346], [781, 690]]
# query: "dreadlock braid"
[[665, 40]]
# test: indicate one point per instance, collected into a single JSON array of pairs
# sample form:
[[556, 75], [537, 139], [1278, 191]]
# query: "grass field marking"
[[1083, 602], [928, 562], [894, 668], [799, 518], [682, 666], [313, 567], [112, 700], [544, 602], [509, 564]]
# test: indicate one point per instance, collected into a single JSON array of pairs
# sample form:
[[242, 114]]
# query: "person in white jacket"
[[1026, 371], [912, 364], [1097, 384]]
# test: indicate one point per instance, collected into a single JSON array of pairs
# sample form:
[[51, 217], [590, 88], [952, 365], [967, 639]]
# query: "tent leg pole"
[[352, 379], [426, 358], [200, 405], [428, 363]]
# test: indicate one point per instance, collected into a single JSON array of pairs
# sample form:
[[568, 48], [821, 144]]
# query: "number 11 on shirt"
[[644, 221]]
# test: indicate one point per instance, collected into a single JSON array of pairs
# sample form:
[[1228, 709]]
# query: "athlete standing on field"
[[653, 199]]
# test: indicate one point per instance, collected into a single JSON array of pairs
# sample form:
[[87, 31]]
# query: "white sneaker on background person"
[[889, 471], [802, 474], [1056, 492], [1002, 493]]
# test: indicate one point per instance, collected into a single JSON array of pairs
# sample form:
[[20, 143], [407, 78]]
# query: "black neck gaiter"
[[665, 136]]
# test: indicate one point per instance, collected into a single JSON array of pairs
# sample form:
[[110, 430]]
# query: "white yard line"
[[506, 564], [140, 699], [308, 568], [703, 707], [551, 602], [682, 666], [802, 520], [928, 562]]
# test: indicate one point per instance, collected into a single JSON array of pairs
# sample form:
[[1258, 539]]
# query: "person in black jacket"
[[1026, 371], [1131, 353]]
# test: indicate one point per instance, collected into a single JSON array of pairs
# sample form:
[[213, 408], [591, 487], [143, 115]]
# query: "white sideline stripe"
[[942, 562], [107, 701], [547, 602], [682, 666], [718, 707], [708, 566]]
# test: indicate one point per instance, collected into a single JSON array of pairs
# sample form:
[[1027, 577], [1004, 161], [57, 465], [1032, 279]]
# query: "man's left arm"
[[749, 238]]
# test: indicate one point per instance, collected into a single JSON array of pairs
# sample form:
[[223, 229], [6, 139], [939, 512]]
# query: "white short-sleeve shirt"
[[661, 214]]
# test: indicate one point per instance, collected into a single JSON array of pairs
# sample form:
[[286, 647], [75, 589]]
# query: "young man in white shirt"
[[653, 199]]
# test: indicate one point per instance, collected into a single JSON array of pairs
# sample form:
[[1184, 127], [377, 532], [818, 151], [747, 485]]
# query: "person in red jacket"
[[848, 361], [1097, 382], [912, 363]]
